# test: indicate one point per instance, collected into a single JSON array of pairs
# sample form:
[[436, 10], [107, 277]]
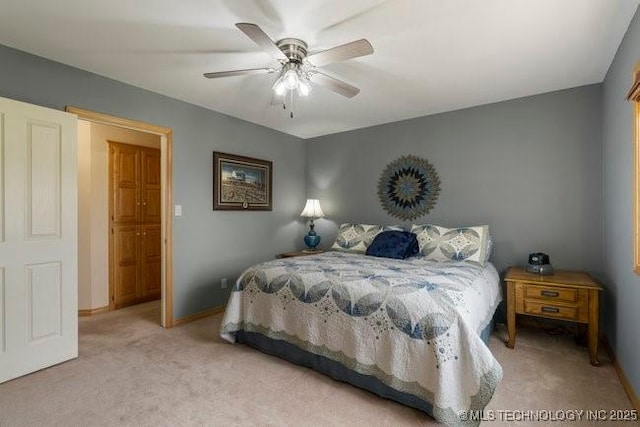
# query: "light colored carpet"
[[132, 372]]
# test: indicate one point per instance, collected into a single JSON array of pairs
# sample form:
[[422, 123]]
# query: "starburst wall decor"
[[408, 187]]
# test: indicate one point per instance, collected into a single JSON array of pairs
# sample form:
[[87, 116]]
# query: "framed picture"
[[241, 183]]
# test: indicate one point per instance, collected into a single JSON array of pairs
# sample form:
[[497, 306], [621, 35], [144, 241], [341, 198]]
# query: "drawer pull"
[[550, 310], [553, 294]]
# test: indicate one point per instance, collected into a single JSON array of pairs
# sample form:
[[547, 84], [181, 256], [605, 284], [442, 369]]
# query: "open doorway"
[[96, 136]]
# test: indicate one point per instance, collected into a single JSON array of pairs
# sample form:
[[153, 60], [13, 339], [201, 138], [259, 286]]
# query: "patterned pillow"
[[487, 255], [453, 244], [357, 237]]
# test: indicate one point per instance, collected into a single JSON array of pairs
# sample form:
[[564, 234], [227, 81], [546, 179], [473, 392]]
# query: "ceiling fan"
[[298, 68]]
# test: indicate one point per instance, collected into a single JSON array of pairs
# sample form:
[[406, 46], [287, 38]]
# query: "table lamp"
[[312, 210]]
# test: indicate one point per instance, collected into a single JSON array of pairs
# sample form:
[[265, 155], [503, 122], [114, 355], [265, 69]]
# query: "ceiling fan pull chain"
[[291, 103]]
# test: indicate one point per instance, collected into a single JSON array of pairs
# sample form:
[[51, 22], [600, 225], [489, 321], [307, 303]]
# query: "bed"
[[411, 330]]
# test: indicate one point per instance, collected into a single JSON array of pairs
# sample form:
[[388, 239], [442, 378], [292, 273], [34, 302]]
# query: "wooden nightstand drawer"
[[551, 293], [538, 308]]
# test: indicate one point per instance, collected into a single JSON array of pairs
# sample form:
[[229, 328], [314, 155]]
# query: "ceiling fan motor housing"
[[294, 49]]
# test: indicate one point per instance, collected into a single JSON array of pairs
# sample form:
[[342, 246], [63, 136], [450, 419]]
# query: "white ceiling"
[[430, 56]]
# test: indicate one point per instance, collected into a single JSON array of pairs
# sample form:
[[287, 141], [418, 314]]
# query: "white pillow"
[[357, 237], [453, 244]]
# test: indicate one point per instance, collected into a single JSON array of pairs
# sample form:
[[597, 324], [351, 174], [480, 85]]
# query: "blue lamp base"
[[312, 240]]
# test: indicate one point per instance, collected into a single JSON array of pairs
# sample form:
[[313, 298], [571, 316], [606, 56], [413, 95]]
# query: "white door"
[[38, 238]]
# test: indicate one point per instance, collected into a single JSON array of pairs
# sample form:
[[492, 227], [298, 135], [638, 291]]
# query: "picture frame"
[[241, 183]]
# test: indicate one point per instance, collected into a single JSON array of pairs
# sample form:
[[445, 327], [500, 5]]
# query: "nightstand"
[[565, 295], [297, 253]]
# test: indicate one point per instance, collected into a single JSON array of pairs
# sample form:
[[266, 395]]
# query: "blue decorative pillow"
[[394, 244], [357, 237]]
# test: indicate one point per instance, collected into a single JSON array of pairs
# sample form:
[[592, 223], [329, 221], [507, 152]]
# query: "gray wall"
[[530, 168], [623, 316], [208, 245]]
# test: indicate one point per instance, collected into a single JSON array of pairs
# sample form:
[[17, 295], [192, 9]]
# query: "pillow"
[[394, 244], [489, 248], [357, 237], [453, 244]]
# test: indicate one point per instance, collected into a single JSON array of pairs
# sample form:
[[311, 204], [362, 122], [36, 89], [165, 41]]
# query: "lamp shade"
[[312, 209]]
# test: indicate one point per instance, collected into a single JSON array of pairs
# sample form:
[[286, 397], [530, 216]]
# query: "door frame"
[[166, 166]]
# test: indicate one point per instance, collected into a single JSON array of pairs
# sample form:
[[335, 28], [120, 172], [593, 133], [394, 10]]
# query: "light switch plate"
[[178, 210]]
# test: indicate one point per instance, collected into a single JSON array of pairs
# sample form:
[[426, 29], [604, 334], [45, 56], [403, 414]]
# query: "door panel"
[[151, 206], [126, 258], [151, 186], [151, 166], [44, 302], [125, 177], [151, 260], [38, 250], [43, 181]]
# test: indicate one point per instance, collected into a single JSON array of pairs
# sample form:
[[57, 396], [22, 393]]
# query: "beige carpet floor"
[[132, 372]]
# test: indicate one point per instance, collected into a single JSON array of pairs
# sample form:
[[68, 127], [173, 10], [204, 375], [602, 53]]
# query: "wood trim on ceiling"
[[166, 135], [108, 119]]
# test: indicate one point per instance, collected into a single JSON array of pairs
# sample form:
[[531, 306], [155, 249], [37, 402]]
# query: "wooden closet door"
[[151, 261], [151, 186], [126, 261], [136, 243], [125, 170]]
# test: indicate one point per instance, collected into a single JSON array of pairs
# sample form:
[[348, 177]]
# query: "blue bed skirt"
[[326, 366], [486, 332], [336, 370]]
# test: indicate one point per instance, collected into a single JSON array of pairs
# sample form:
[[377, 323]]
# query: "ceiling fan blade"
[[340, 53], [261, 38], [217, 74], [338, 86]]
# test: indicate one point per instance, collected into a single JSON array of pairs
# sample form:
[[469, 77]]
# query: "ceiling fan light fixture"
[[303, 87], [279, 87], [291, 79]]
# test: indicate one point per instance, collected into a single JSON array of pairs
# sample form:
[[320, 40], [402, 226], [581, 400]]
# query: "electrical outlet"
[[223, 283]]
